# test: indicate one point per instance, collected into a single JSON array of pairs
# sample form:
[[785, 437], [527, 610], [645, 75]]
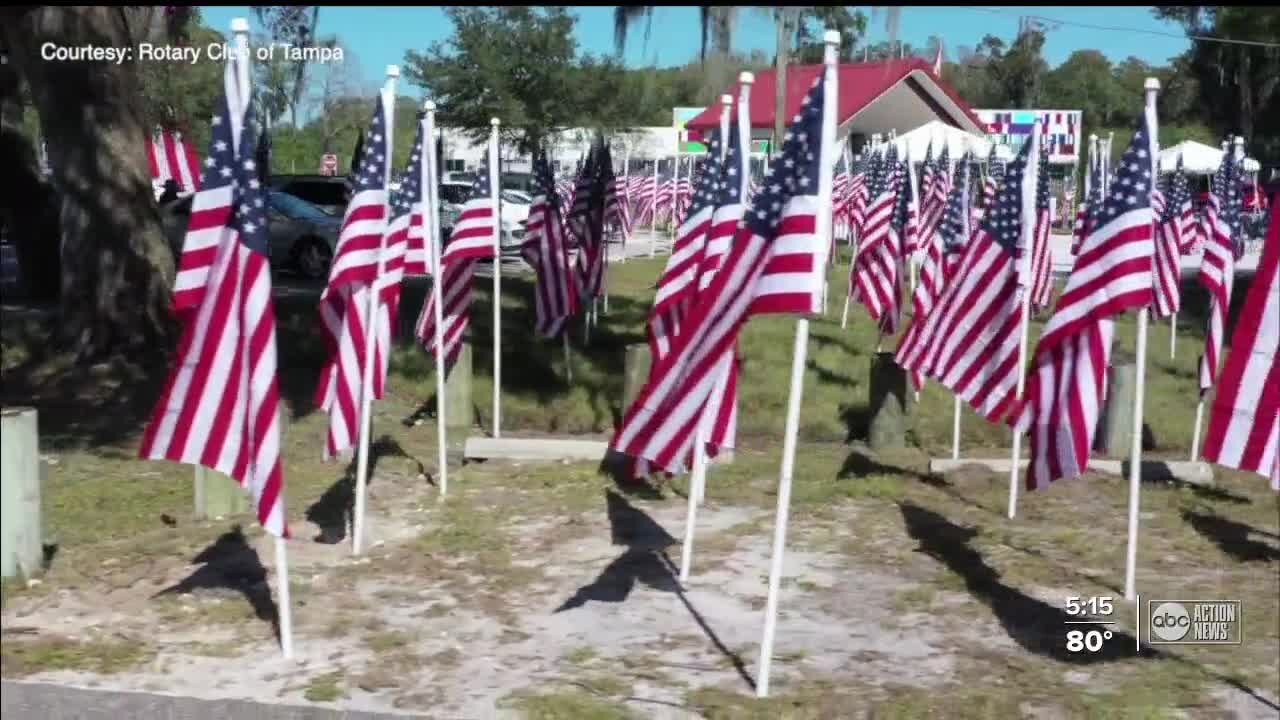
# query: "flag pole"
[[653, 211], [799, 351], [1024, 322], [240, 29], [955, 430], [495, 194], [366, 387], [437, 294], [1152, 87]]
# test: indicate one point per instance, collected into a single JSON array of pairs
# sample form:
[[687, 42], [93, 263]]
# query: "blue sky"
[[379, 36]]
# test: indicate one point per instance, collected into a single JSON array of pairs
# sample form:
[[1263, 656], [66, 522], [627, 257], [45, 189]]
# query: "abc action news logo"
[[1194, 622]]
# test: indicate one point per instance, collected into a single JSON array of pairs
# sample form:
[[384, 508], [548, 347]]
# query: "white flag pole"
[[653, 214], [825, 178], [495, 194], [955, 430], [240, 29], [370, 330], [429, 185], [1152, 87], [1029, 183]]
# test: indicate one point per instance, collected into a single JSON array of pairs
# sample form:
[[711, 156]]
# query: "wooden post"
[[1115, 425], [21, 539], [889, 403], [459, 412], [635, 371], [218, 495]]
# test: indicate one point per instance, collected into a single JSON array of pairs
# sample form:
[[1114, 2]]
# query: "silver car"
[[302, 237]]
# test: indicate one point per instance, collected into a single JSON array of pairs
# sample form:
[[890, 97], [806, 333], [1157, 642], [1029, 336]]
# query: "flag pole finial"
[[393, 71], [832, 37], [746, 77], [239, 25], [495, 122], [429, 105]]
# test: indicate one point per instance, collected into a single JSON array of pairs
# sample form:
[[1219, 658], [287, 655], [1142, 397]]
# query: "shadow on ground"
[[231, 564], [644, 561]]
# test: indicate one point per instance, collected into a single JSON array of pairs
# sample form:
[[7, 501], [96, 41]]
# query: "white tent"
[[1198, 159], [956, 140]]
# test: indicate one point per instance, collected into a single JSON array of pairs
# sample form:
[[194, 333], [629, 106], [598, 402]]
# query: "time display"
[[1100, 605]]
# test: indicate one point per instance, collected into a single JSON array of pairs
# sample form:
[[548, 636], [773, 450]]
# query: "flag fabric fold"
[[220, 403], [344, 303], [1112, 274], [1244, 423], [546, 249], [774, 264], [470, 242]]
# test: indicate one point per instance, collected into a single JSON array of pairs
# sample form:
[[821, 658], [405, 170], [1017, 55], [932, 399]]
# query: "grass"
[[325, 688], [567, 705], [121, 524], [102, 656]]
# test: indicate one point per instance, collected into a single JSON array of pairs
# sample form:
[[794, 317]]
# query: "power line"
[[1199, 38]]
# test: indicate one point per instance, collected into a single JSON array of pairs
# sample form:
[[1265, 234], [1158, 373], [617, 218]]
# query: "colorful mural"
[[1060, 129]]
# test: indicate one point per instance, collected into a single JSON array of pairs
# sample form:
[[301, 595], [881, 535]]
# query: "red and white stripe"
[[471, 240], [1244, 424], [875, 274], [757, 276], [1168, 273], [1217, 275], [220, 404], [170, 157]]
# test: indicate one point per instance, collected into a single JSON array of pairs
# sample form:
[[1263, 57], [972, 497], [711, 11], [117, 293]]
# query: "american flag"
[[935, 194], [969, 341], [470, 241], [774, 265], [857, 204], [546, 249], [170, 157], [840, 196], [1112, 274], [995, 173], [590, 210], [1089, 204], [344, 303], [1171, 212], [957, 219], [353, 168], [1244, 424], [678, 283], [876, 272], [220, 403], [405, 247], [908, 211], [1179, 218], [1217, 267], [1041, 280]]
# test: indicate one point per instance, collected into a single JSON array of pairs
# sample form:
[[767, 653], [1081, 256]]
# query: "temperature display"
[[1078, 640]]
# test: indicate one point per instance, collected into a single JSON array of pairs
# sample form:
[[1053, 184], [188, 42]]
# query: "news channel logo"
[[1194, 622]]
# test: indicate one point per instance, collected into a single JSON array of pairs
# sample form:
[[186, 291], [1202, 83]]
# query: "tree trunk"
[[117, 269], [781, 58], [24, 209]]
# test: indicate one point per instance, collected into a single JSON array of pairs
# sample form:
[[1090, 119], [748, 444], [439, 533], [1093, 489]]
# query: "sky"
[[379, 36]]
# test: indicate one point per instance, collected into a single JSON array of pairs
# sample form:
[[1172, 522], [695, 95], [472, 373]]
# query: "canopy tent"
[[937, 133], [1198, 159]]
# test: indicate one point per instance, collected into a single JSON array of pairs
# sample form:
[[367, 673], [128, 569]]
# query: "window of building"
[[455, 165]]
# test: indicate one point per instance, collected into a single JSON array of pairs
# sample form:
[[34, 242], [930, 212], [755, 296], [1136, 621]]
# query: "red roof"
[[860, 84]]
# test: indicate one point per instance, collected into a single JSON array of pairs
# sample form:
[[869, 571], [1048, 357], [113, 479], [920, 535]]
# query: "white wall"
[[568, 146]]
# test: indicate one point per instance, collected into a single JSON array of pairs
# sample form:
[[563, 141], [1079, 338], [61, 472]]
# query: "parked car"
[[523, 182], [302, 237], [327, 192], [514, 208]]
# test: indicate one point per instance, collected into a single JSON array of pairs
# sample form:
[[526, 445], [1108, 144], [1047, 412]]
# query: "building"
[[876, 97]]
